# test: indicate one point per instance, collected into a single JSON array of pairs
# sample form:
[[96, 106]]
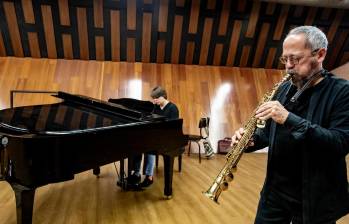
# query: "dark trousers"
[[273, 209]]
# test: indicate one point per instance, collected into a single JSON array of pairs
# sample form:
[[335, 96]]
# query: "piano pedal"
[[122, 183], [127, 186]]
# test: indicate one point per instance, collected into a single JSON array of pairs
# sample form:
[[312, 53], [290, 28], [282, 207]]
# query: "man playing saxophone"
[[307, 132]]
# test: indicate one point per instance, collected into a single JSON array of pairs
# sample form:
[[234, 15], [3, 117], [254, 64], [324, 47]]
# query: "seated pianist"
[[163, 107]]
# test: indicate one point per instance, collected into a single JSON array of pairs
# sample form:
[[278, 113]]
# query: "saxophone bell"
[[215, 191]]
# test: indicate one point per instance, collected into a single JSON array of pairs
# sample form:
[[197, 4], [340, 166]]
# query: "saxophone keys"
[[260, 124], [234, 169], [224, 186], [229, 177]]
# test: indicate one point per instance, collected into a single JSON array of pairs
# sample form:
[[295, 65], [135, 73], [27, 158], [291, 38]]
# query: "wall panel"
[[189, 31]]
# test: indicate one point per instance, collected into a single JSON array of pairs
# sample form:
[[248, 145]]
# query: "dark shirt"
[[170, 110], [286, 176]]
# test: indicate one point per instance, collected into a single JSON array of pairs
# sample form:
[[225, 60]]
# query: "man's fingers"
[[251, 143], [237, 136]]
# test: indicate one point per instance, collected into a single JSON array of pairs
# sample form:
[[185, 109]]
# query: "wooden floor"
[[88, 199]]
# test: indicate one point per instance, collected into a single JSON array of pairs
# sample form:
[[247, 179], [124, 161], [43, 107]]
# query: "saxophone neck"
[[269, 96]]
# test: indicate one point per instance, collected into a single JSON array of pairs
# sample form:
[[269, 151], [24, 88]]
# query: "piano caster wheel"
[[167, 197]]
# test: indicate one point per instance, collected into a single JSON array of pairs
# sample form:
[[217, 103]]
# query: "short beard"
[[296, 80], [299, 81]]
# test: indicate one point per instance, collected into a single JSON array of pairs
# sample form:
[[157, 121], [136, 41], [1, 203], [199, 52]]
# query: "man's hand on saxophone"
[[273, 110], [237, 136], [270, 109]]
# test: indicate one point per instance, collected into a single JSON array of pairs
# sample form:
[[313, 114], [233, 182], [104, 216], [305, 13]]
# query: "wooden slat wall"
[[232, 33], [2, 47], [82, 31], [226, 94], [13, 33], [49, 34]]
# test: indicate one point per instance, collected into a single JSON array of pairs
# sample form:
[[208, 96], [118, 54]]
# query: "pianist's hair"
[[157, 92]]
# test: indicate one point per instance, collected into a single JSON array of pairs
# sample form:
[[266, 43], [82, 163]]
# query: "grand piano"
[[45, 144]]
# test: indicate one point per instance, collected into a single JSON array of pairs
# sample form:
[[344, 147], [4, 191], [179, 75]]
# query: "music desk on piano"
[[45, 144]]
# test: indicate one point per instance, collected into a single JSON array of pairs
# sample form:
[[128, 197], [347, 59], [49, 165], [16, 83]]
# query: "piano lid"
[[139, 105], [75, 113]]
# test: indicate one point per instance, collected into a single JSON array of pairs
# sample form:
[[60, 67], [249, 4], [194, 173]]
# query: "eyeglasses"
[[294, 60]]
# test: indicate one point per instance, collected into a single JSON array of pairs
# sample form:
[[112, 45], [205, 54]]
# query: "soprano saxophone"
[[225, 176]]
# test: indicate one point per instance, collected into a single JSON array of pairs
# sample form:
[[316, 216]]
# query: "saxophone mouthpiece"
[[291, 73]]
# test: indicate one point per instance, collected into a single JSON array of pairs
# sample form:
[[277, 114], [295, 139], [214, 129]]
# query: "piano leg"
[[96, 171], [24, 203], [180, 163], [122, 182], [168, 173]]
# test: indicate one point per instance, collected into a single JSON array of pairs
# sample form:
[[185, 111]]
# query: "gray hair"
[[315, 38]]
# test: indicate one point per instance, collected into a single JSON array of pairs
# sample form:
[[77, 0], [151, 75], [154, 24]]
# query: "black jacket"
[[324, 138]]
